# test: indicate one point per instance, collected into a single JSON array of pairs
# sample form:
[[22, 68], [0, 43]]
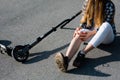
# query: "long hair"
[[94, 11]]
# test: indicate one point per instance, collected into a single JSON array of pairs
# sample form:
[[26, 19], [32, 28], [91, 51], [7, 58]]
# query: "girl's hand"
[[83, 36], [86, 35], [77, 31]]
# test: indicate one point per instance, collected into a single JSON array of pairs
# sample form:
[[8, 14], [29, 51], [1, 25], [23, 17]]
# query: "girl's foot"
[[79, 60], [62, 62]]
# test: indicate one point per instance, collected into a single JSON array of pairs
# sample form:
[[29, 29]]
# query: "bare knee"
[[77, 37]]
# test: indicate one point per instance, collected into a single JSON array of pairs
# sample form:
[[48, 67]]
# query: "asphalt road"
[[22, 21]]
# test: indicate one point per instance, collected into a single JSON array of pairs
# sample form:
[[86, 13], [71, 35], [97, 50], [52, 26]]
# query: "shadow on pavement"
[[91, 64], [5, 42], [43, 55]]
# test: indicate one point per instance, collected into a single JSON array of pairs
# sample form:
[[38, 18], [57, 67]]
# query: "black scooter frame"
[[21, 52]]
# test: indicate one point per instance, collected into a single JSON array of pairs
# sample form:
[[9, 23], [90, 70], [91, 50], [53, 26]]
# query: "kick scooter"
[[21, 52]]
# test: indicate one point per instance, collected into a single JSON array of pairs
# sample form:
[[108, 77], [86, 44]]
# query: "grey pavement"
[[22, 21]]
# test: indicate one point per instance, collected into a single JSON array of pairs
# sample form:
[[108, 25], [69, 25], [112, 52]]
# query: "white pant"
[[104, 35]]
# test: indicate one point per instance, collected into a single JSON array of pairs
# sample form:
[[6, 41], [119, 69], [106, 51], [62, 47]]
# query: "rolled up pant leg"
[[104, 35]]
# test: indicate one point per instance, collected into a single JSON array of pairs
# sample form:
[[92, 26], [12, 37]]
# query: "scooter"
[[21, 52]]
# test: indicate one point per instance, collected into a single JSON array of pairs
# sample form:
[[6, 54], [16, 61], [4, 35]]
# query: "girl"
[[96, 26]]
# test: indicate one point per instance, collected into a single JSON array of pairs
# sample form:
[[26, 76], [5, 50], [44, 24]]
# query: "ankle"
[[67, 59], [82, 52]]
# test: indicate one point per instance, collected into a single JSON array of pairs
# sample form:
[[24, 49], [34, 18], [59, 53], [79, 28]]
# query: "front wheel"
[[19, 55]]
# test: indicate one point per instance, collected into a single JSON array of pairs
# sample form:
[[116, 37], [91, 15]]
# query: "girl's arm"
[[109, 12]]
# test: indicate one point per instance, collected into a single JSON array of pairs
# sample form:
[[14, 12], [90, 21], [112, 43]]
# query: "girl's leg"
[[73, 47], [63, 61], [105, 35]]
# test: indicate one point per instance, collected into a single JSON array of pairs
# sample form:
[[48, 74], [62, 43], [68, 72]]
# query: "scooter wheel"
[[18, 55]]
